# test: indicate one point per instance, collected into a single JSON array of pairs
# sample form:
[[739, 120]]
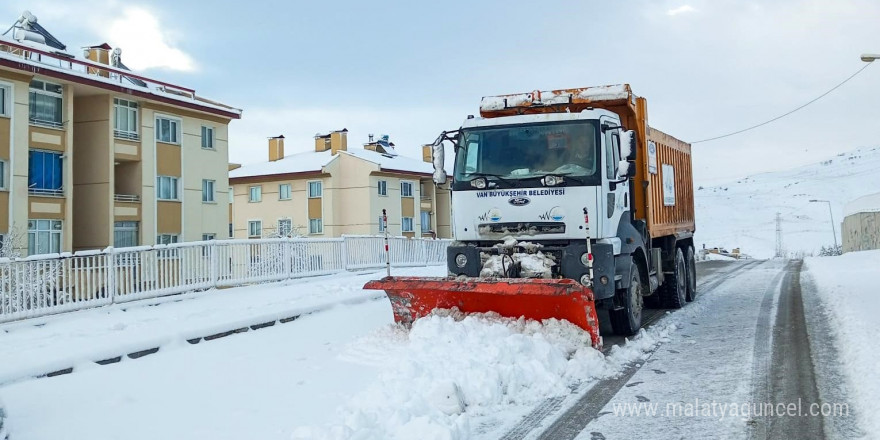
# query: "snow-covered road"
[[345, 372]]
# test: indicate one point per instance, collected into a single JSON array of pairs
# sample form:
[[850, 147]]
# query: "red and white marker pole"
[[387, 254], [589, 246]]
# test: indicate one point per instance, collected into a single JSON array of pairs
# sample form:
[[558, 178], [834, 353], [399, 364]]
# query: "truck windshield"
[[514, 155]]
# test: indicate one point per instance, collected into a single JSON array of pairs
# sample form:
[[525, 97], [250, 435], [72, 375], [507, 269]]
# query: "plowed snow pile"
[[450, 369]]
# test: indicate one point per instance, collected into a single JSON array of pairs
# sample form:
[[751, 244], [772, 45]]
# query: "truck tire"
[[673, 293], [628, 320], [692, 274]]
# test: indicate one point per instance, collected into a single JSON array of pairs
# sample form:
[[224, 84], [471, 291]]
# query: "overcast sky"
[[412, 69]]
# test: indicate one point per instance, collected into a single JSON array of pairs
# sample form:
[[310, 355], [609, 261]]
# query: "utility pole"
[[830, 214], [780, 250]]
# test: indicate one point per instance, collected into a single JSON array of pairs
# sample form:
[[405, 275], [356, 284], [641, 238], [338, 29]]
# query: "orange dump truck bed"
[[664, 188]]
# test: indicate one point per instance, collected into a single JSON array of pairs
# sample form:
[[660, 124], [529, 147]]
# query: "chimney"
[[428, 153], [339, 141], [99, 54], [322, 142], [276, 148]]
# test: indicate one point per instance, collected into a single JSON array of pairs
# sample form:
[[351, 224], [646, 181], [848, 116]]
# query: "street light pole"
[[830, 213], [869, 57]]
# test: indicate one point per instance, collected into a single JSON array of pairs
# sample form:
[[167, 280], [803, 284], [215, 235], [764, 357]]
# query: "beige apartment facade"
[[334, 191], [93, 155]]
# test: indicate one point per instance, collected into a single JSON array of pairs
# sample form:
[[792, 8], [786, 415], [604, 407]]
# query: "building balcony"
[[126, 135], [43, 192], [126, 207], [127, 198]]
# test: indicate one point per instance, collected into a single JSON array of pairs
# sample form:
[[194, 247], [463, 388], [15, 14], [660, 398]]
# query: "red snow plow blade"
[[412, 298]]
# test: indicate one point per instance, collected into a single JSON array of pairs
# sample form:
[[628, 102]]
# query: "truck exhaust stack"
[[415, 297]]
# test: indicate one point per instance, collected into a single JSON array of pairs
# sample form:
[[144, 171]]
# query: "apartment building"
[[93, 155], [334, 190]]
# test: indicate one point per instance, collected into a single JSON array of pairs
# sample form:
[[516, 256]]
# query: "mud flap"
[[412, 298]]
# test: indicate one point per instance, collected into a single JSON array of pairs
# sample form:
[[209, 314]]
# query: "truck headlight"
[[460, 260], [479, 183], [585, 259], [585, 280]]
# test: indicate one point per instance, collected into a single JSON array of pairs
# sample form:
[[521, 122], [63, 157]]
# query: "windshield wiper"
[[507, 182]]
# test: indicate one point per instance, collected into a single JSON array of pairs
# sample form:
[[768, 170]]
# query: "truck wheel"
[[692, 274], [628, 320], [674, 288]]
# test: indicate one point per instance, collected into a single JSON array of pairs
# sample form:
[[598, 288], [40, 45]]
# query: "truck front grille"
[[525, 228]]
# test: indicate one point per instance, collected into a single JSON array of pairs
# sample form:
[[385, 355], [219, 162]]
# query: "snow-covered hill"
[[742, 213]]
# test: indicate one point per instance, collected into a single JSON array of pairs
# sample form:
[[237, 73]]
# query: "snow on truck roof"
[[314, 162], [537, 98]]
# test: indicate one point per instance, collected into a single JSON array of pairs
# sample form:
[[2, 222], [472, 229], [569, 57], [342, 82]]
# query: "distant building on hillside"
[[332, 191], [861, 224]]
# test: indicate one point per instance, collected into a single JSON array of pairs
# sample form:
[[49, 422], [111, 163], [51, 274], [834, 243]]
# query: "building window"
[[208, 191], [44, 237], [166, 188], [426, 221], [316, 226], [406, 224], [44, 173], [5, 93], [383, 187], [167, 238], [45, 104], [315, 190], [255, 228], [168, 130], [4, 170], [125, 234], [381, 224], [406, 189], [125, 125], [284, 191], [285, 227], [255, 194], [208, 138], [208, 237]]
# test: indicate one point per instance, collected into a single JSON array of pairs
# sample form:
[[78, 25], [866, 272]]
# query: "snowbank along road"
[[706, 371]]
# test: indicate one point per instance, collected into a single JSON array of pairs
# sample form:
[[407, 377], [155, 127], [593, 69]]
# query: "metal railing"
[[127, 135], [128, 198], [44, 192], [47, 284], [47, 124]]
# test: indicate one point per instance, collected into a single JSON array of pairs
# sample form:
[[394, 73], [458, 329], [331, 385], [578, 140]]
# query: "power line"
[[788, 113]]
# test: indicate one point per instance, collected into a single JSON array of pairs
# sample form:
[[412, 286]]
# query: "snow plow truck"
[[563, 202]]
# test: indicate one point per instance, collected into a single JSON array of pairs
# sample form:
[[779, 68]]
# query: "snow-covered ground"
[[851, 297], [742, 213], [344, 371]]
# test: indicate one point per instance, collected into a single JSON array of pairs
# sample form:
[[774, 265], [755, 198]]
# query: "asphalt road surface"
[[746, 340]]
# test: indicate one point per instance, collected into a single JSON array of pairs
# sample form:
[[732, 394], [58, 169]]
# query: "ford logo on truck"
[[519, 201]]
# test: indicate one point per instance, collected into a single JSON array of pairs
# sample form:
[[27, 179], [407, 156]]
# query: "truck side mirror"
[[625, 169], [628, 145], [438, 158]]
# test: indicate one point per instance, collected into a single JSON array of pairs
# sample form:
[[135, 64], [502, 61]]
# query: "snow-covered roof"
[[315, 161], [53, 62], [868, 203]]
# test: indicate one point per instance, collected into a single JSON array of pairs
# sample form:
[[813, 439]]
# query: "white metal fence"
[[47, 284]]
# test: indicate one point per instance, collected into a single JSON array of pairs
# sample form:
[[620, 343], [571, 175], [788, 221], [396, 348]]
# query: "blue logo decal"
[[519, 201]]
